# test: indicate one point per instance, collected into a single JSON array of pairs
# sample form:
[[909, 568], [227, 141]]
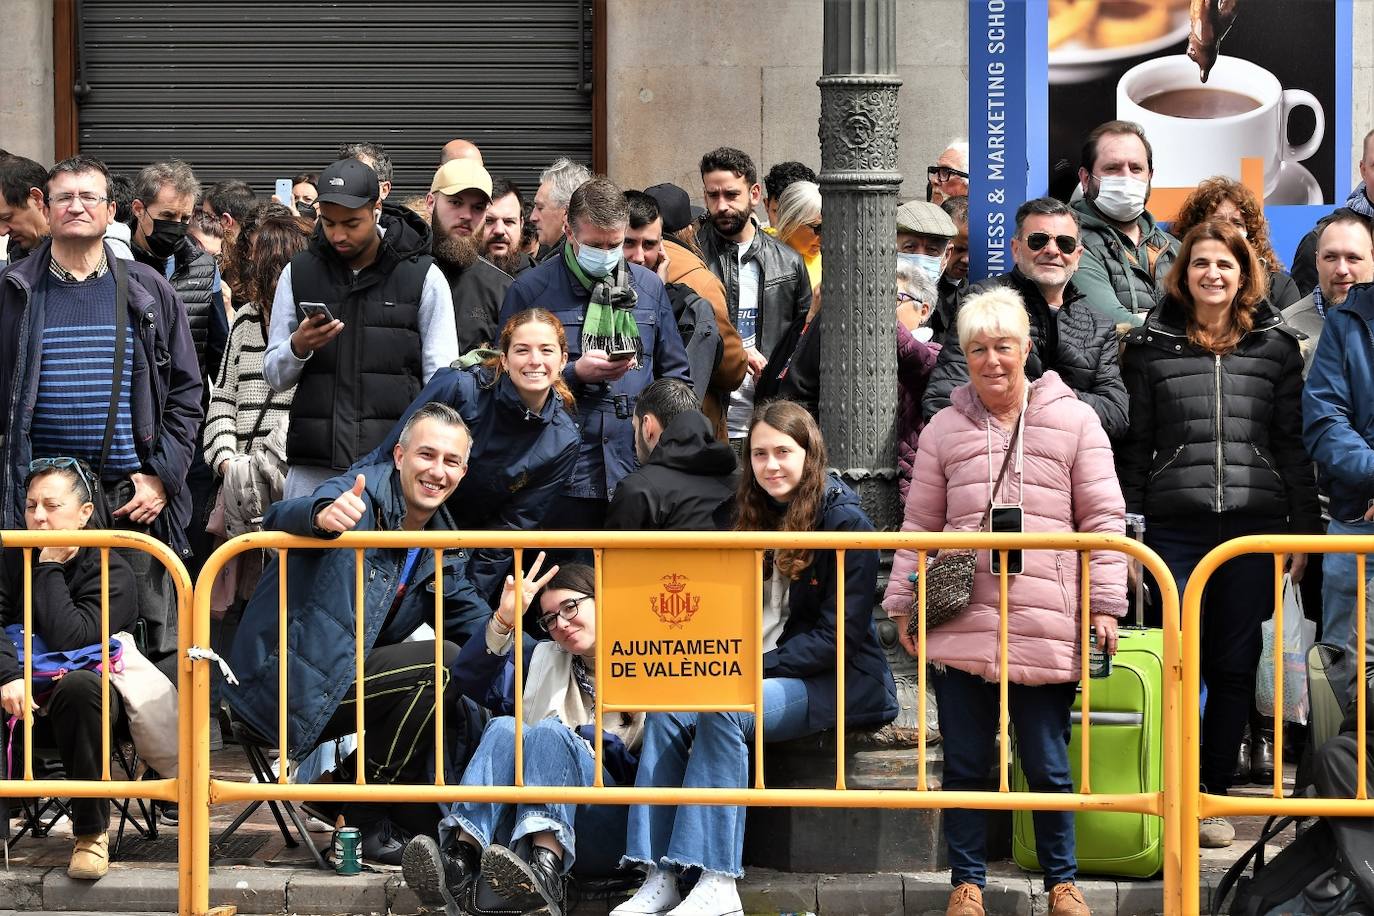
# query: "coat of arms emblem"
[[675, 605]]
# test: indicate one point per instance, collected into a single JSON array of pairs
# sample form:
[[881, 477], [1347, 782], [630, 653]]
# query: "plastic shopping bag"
[[1298, 635]]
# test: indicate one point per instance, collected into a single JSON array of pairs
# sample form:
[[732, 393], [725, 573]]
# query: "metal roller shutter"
[[264, 89]]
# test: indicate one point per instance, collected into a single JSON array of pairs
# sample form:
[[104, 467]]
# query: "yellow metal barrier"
[[205, 790], [1195, 804], [170, 790]]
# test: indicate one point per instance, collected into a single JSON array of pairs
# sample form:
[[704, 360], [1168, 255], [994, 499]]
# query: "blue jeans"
[[554, 756], [706, 750], [1339, 595], [1040, 718], [1238, 599]]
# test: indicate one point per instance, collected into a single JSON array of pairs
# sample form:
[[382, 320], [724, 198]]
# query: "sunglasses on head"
[[63, 464], [1038, 240]]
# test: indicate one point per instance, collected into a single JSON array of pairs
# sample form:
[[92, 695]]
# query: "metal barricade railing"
[[206, 790], [164, 789], [1196, 804]]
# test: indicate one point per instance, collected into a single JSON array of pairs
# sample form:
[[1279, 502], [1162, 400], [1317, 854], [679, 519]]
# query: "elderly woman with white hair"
[[799, 225], [1029, 456], [917, 353]]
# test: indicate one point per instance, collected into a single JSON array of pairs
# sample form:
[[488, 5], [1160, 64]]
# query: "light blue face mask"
[[598, 262], [926, 264]]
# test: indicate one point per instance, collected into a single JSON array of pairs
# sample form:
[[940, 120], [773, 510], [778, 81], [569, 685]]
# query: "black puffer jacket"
[[1215, 433], [1082, 340]]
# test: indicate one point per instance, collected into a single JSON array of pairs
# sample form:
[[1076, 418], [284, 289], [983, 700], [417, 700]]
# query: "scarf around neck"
[[610, 321]]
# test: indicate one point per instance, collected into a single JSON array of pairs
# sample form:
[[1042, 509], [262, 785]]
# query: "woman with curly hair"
[[1227, 200]]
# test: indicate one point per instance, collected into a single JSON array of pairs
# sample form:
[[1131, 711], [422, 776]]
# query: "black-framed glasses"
[[1037, 240], [567, 610], [814, 227], [63, 463], [945, 173]]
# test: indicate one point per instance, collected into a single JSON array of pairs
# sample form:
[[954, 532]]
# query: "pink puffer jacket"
[[1069, 485]]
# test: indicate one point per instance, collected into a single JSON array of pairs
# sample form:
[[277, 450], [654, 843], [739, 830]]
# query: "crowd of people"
[[195, 363]]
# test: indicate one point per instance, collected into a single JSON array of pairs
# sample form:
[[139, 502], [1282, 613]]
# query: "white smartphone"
[[285, 192], [311, 309]]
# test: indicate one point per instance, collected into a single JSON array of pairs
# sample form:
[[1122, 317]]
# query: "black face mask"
[[165, 237], [305, 209]]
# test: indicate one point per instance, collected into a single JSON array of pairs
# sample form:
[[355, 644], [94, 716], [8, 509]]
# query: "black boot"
[[383, 841], [1242, 775], [1262, 752], [508, 883], [439, 877]]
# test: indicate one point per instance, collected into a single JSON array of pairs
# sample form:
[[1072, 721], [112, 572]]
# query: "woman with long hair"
[[1214, 451], [785, 488], [524, 440]]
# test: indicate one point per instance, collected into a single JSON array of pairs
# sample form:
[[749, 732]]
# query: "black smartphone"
[[1006, 520]]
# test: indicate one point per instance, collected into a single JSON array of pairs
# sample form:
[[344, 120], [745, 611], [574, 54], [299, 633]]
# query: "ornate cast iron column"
[[859, 183]]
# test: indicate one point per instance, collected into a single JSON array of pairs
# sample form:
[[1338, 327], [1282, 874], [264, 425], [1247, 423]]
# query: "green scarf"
[[610, 321]]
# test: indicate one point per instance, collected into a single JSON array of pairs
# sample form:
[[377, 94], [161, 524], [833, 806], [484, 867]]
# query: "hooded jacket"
[[1065, 482], [1075, 340], [1338, 413], [519, 461], [1121, 280], [689, 477], [320, 611], [352, 389], [166, 394], [478, 290], [604, 409], [1214, 433]]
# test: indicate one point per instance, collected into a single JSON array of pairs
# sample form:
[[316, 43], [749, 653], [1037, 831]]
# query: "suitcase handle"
[[1108, 718]]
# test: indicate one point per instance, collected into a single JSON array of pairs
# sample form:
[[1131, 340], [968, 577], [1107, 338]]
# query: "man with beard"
[[766, 284], [1067, 335], [1126, 256], [387, 304], [457, 202], [502, 228]]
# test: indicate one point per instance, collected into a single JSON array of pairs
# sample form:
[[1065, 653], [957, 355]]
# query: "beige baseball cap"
[[461, 175]]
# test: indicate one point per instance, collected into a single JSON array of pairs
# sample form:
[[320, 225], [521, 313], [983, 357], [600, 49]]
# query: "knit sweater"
[[236, 420]]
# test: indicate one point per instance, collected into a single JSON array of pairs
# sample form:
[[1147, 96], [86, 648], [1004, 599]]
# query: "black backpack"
[[1300, 879]]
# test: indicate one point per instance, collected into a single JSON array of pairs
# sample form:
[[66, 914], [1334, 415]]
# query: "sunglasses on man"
[[1038, 240]]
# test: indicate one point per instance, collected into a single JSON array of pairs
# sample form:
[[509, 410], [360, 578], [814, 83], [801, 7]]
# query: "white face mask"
[[1121, 197], [926, 264]]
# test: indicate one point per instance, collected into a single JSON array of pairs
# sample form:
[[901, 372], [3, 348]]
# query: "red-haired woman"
[[786, 488], [524, 441], [1214, 451]]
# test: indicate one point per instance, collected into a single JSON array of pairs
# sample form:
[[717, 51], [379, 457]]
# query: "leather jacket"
[[784, 286]]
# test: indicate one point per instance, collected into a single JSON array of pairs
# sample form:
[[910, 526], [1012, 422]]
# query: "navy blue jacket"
[[489, 680], [320, 632], [166, 385], [520, 460], [806, 648], [608, 439], [1337, 410]]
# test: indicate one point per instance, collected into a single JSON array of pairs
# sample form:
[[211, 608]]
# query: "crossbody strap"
[[121, 326], [1001, 475]]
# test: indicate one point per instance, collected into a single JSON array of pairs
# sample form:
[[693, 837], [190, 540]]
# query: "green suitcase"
[[1127, 740]]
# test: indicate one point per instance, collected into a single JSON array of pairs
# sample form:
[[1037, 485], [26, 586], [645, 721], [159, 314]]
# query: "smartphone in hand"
[[311, 309]]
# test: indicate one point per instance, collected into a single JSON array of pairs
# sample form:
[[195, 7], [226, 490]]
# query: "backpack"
[[696, 323], [1300, 879], [49, 667]]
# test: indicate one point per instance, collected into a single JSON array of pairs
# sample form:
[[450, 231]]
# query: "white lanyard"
[[1019, 432]]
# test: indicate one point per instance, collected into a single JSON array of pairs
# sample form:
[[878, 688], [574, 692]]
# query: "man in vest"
[[362, 318]]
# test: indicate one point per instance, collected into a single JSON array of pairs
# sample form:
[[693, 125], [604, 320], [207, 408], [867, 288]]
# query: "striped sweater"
[[236, 420]]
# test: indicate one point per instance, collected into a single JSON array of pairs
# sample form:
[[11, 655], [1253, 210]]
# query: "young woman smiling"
[[787, 488], [1214, 451]]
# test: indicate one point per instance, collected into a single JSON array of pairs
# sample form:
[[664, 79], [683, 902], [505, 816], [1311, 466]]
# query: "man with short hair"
[[686, 479], [1344, 257], [460, 149], [230, 202], [97, 363], [766, 283], [375, 156], [21, 205], [628, 338], [405, 492], [714, 352], [948, 177], [457, 202], [781, 176], [1126, 256], [1361, 200], [387, 304], [502, 227], [1067, 335], [954, 275], [120, 234], [549, 214]]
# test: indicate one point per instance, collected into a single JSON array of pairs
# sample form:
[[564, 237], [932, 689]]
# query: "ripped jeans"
[[706, 750]]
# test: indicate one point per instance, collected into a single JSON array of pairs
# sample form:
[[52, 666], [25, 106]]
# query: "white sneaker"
[[714, 895], [658, 894]]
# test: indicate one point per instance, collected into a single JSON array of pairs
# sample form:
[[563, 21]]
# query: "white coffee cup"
[[1187, 150]]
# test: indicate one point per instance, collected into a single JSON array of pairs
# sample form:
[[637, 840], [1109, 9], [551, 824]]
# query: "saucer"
[[1295, 187]]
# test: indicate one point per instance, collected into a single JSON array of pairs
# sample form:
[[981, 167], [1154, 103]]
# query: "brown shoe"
[[966, 900], [1067, 900], [90, 858]]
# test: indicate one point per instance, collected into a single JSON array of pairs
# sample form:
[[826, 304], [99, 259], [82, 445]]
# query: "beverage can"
[[348, 843], [1099, 662]]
